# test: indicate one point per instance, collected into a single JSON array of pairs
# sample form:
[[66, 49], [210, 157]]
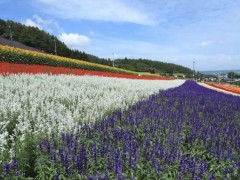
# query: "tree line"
[[233, 75], [45, 42], [144, 65]]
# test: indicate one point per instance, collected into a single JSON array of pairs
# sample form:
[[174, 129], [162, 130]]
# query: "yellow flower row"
[[16, 55]]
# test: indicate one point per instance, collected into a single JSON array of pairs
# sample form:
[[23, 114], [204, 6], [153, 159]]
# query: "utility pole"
[[113, 59], [10, 32], [55, 46], [193, 69]]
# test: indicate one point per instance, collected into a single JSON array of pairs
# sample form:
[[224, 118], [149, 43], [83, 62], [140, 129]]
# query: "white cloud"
[[107, 10], [29, 22], [183, 31], [74, 40], [48, 25]]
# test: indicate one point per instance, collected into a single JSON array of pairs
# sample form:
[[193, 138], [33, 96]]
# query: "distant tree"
[[170, 70], [151, 70], [2, 27], [231, 75]]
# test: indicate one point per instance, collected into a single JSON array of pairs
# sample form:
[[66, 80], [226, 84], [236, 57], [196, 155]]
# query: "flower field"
[[35, 107], [228, 88], [189, 132], [20, 56], [62, 118], [86, 127], [13, 68]]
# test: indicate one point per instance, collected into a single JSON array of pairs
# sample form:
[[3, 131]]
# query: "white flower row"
[[51, 104]]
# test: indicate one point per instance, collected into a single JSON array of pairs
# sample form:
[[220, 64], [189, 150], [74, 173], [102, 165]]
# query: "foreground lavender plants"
[[188, 132], [37, 106]]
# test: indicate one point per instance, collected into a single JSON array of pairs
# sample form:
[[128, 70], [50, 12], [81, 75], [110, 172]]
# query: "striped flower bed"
[[187, 132], [12, 68], [54, 125], [33, 107], [16, 55]]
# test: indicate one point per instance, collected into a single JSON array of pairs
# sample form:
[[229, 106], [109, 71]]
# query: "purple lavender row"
[[186, 132], [189, 132]]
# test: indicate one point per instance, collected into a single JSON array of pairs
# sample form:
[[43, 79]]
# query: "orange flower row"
[[225, 87]]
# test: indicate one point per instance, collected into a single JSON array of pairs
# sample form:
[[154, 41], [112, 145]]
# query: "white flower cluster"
[[3, 136], [51, 104]]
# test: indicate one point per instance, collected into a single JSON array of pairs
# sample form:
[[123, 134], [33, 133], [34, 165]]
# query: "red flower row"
[[225, 88], [10, 68]]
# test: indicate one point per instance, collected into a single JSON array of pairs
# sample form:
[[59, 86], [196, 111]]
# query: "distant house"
[[222, 76], [179, 75], [229, 80], [210, 78]]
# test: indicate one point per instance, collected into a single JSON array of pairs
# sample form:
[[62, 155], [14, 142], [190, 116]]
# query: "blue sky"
[[174, 31]]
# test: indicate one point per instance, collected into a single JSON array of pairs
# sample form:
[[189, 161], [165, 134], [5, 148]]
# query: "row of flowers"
[[12, 68], [16, 55], [49, 104], [228, 88], [189, 132]]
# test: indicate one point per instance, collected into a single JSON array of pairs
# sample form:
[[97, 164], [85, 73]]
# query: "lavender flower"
[[7, 168], [106, 177]]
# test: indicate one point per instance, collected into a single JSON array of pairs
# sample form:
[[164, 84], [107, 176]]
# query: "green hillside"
[[143, 65], [45, 42]]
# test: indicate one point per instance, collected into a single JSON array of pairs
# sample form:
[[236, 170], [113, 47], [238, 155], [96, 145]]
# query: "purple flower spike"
[[7, 168]]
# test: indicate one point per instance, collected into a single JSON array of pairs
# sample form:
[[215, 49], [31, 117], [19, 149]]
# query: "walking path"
[[217, 89]]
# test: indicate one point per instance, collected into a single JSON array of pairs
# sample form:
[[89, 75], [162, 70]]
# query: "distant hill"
[[32, 38], [143, 65]]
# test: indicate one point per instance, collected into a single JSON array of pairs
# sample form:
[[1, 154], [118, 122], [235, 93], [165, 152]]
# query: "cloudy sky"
[[175, 31]]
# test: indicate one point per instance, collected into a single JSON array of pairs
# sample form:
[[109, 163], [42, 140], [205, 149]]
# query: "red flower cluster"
[[10, 68], [225, 88]]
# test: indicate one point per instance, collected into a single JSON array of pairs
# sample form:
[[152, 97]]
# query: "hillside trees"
[[45, 42], [143, 65], [39, 39]]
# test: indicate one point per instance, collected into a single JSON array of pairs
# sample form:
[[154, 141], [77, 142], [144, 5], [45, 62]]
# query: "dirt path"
[[217, 89]]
